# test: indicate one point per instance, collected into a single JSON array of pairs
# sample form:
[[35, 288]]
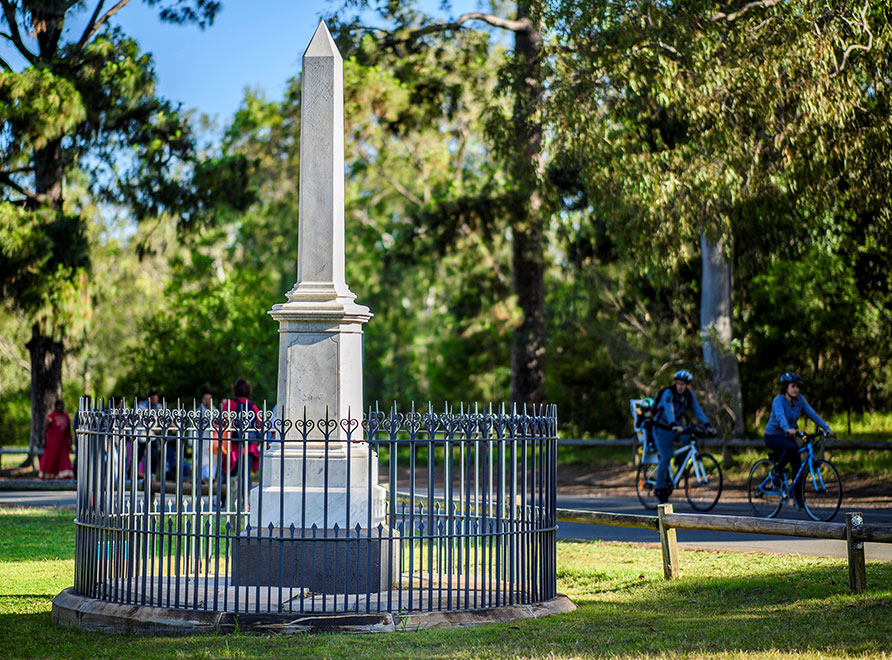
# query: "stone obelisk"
[[320, 332]]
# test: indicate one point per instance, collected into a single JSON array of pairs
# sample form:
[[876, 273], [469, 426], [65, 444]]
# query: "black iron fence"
[[237, 511]]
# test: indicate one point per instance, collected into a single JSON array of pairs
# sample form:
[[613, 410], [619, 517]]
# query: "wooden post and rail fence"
[[854, 532]]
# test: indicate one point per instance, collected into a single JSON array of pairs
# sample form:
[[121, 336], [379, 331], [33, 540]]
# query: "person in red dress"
[[55, 462], [241, 403]]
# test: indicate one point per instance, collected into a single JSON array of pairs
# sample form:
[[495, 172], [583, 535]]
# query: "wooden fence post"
[[667, 544], [857, 571]]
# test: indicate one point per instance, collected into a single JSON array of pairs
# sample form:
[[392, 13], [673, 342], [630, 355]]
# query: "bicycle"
[[821, 486], [701, 472]]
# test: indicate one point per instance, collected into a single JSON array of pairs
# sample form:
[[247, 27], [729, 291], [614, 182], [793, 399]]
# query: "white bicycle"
[[701, 473]]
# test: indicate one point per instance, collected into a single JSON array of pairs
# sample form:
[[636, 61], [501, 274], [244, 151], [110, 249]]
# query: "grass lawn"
[[726, 605]]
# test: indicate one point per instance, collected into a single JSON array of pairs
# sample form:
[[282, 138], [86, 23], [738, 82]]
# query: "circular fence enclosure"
[[191, 520]]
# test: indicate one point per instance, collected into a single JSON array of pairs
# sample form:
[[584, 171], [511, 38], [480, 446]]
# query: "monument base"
[[363, 563], [325, 506]]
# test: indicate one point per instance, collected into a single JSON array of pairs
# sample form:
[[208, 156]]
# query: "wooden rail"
[[605, 518], [803, 528], [854, 532]]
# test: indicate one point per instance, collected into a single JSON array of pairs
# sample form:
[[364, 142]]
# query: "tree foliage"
[[635, 129], [752, 121], [84, 105]]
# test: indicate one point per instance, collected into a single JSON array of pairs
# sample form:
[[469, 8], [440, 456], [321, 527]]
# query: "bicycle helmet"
[[790, 377], [683, 374], [646, 404]]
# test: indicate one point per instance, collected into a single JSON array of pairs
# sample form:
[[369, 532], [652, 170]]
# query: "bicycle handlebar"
[[811, 437], [699, 431]]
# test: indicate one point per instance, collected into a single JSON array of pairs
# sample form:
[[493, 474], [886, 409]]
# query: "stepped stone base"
[[72, 610]]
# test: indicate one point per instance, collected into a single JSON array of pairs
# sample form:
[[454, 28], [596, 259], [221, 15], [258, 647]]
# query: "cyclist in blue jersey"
[[780, 432], [670, 406]]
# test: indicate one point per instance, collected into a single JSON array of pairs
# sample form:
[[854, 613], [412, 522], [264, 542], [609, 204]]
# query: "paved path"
[[66, 498], [687, 538]]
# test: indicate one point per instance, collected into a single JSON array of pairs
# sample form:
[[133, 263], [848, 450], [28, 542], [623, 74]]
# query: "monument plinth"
[[320, 333]]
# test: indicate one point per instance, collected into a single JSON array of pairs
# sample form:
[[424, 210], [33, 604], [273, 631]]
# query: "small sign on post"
[[857, 570]]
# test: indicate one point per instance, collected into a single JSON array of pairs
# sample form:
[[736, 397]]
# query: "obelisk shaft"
[[320, 347], [320, 258]]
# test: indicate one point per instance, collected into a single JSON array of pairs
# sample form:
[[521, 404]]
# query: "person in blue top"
[[670, 407], [780, 432]]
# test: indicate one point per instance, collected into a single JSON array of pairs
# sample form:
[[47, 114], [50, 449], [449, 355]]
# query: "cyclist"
[[780, 432], [670, 406]]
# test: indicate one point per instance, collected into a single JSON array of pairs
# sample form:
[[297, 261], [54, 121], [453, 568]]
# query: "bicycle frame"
[[789, 487], [809, 460], [690, 449], [696, 472]]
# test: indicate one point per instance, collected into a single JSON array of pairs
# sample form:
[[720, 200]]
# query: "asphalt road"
[[689, 538], [686, 538]]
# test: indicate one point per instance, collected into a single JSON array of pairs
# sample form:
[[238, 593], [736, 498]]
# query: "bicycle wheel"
[[703, 483], [765, 499], [645, 482], [821, 490]]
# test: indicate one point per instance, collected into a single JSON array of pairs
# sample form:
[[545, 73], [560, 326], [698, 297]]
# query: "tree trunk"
[[46, 382], [47, 352], [528, 341], [528, 248], [716, 312]]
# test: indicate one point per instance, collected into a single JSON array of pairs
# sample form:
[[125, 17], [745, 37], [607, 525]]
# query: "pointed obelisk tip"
[[322, 45]]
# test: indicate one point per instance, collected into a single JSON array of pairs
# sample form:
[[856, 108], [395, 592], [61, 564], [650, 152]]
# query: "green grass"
[[726, 605], [8, 461], [865, 426]]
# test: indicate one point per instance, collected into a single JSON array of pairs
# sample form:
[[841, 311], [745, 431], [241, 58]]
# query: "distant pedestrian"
[[153, 402], [55, 462], [241, 403], [204, 433], [111, 449]]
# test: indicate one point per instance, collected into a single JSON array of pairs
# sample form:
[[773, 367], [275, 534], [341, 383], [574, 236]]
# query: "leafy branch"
[[95, 25], [521, 25], [14, 34], [6, 178], [740, 12], [853, 47], [401, 189]]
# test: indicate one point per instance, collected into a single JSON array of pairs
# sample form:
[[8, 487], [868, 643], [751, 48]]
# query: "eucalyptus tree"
[[722, 127], [78, 102], [516, 136]]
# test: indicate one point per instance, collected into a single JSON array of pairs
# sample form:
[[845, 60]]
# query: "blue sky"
[[252, 43]]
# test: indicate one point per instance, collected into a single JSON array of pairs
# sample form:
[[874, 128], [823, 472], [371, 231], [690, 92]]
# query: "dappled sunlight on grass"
[[726, 605]]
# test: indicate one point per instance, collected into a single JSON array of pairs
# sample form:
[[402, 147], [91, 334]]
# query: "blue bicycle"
[[818, 478]]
